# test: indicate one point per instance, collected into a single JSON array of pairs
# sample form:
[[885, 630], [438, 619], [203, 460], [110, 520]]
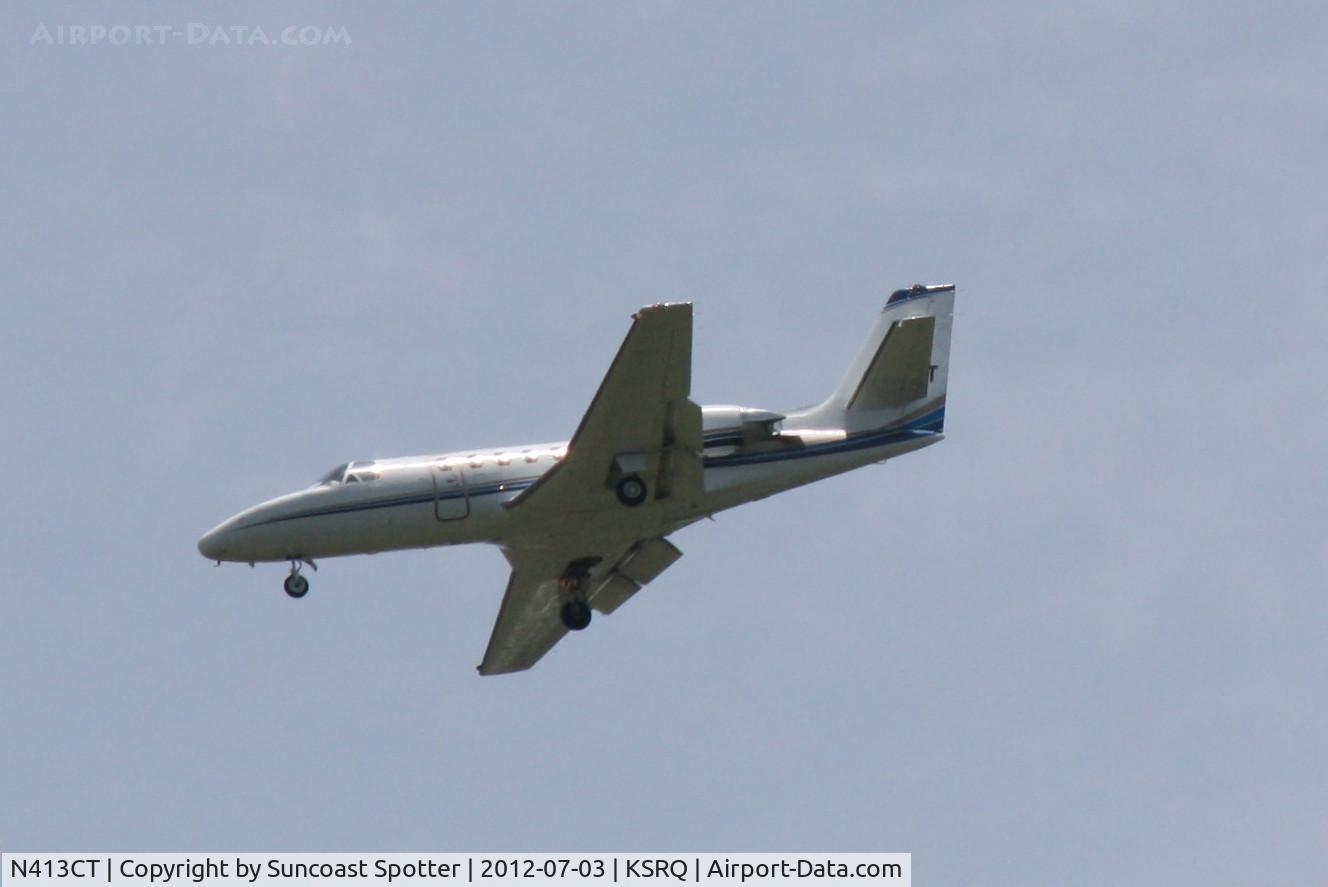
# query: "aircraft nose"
[[213, 544]]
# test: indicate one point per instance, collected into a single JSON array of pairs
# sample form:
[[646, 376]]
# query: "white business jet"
[[584, 523]]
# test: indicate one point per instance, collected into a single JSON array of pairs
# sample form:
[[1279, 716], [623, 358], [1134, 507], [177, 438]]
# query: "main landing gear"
[[575, 612], [296, 585], [631, 491]]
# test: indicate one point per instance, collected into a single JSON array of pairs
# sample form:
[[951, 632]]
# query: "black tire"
[[296, 585], [575, 615], [632, 491]]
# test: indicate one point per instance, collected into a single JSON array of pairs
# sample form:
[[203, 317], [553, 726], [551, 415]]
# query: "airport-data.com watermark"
[[190, 34]]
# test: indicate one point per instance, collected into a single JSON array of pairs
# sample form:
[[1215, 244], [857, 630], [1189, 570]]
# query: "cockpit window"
[[349, 473], [334, 476]]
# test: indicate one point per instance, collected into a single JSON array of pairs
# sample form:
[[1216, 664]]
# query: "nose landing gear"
[[296, 585]]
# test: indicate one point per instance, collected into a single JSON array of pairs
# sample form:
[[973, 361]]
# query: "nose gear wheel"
[[296, 585]]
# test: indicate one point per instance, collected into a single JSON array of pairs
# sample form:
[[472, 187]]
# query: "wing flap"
[[642, 563]]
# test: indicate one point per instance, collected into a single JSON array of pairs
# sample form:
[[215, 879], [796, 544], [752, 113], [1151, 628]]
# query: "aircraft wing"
[[528, 621], [639, 423]]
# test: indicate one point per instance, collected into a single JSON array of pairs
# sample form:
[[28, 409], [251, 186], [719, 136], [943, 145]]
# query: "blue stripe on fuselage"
[[923, 426]]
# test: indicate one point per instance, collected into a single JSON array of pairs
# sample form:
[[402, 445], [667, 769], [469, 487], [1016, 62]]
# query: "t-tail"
[[898, 379]]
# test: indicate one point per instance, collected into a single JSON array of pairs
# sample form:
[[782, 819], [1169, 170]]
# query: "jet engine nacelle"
[[737, 425]]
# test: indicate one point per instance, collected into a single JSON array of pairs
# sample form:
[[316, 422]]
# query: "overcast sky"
[[1080, 641]]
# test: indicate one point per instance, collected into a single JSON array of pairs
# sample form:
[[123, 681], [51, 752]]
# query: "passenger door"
[[451, 500]]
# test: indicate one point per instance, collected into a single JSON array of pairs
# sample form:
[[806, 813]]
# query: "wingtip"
[[490, 672]]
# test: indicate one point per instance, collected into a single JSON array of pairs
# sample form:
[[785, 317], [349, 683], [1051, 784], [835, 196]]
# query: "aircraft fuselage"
[[458, 498]]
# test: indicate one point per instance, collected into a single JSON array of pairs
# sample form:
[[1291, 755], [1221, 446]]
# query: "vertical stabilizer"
[[900, 374]]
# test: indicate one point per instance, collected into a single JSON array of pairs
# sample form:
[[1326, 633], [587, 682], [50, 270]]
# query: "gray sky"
[[1084, 636]]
